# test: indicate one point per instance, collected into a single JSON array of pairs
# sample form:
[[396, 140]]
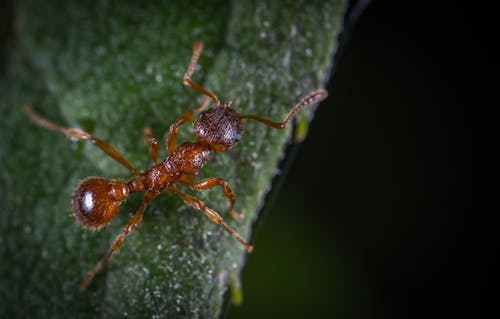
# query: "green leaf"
[[112, 68]]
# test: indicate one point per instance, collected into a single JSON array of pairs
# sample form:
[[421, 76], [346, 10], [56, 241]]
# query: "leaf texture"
[[112, 68]]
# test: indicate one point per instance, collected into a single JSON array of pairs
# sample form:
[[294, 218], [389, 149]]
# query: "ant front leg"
[[185, 117], [211, 214], [79, 135], [226, 191], [118, 242]]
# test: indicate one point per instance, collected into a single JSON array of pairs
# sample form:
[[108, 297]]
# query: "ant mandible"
[[96, 200]]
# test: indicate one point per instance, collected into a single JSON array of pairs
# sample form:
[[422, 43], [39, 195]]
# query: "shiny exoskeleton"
[[96, 200]]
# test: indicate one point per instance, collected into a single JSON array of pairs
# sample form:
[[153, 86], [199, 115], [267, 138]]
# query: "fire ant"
[[96, 200]]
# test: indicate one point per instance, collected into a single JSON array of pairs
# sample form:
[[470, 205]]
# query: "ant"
[[96, 200]]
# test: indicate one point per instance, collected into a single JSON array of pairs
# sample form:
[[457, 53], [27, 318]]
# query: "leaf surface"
[[113, 68]]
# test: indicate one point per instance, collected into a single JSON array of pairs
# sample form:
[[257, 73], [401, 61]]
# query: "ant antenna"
[[197, 48], [313, 97]]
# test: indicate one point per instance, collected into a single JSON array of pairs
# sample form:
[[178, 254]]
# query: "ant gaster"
[[96, 200]]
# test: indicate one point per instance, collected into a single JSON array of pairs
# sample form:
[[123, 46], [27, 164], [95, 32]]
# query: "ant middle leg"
[[118, 242], [211, 214], [153, 144], [185, 117], [79, 135], [197, 48], [226, 191]]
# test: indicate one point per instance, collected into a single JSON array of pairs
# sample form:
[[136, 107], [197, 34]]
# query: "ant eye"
[[96, 201], [237, 136]]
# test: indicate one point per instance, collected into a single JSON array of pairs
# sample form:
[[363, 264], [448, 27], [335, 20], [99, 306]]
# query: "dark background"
[[379, 213]]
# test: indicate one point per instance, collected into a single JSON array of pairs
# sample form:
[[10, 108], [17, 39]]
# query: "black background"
[[383, 210]]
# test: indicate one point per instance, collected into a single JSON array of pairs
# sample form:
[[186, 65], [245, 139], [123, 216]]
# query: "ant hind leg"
[[117, 243], [79, 135]]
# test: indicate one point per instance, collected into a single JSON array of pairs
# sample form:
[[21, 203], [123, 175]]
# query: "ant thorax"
[[219, 128]]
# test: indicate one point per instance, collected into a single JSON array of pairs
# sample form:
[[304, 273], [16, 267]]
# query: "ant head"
[[96, 201], [219, 127]]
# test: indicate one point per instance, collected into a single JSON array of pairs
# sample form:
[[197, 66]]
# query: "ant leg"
[[153, 144], [117, 243], [210, 213], [226, 191], [185, 117], [311, 98], [197, 48], [79, 135]]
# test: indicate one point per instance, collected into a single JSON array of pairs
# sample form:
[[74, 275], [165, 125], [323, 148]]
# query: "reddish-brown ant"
[[96, 200]]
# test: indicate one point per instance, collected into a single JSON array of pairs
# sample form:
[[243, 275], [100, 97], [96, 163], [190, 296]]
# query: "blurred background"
[[378, 211]]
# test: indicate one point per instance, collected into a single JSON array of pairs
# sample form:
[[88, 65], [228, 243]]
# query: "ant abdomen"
[[96, 201]]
